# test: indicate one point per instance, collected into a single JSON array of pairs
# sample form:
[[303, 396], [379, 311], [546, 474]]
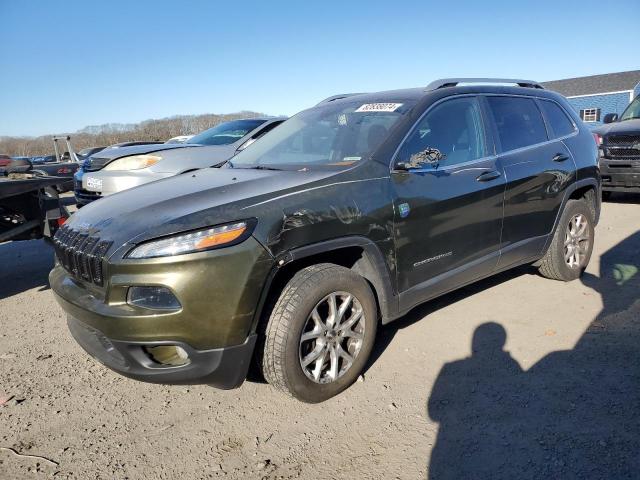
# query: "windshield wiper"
[[263, 167]]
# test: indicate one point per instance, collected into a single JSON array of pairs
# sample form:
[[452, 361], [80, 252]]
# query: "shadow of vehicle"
[[24, 265], [574, 414], [621, 197], [386, 334]]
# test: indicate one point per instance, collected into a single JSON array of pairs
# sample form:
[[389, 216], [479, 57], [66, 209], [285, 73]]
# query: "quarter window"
[[518, 121], [454, 128], [557, 119], [590, 115]]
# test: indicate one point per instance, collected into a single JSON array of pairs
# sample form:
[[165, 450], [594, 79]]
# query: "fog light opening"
[[153, 298], [170, 355]]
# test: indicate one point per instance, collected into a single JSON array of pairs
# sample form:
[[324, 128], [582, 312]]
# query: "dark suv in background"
[[343, 218], [619, 142]]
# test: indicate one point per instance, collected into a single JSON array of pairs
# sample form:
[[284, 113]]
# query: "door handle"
[[560, 157], [488, 176]]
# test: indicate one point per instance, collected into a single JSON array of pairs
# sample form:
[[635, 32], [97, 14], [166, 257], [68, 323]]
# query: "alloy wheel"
[[332, 337], [577, 241]]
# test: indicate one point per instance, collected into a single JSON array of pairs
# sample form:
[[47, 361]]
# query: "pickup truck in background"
[[619, 143]]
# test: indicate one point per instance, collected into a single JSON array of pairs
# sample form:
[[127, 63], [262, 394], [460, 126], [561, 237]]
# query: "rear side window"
[[518, 121], [454, 127], [557, 119]]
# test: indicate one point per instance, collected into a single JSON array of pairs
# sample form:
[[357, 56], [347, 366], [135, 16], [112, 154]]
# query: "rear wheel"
[[320, 333], [572, 244]]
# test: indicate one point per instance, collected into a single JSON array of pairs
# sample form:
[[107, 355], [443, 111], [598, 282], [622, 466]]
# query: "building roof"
[[610, 82]]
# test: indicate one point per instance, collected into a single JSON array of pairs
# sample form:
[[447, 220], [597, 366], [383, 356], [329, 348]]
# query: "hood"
[[620, 128], [102, 158], [194, 200]]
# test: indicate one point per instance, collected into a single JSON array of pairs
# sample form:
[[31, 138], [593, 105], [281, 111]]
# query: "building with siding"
[[595, 96]]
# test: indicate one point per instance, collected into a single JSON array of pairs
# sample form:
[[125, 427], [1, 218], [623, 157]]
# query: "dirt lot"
[[560, 400]]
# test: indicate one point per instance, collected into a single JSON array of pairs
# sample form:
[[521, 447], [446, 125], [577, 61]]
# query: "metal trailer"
[[30, 207]]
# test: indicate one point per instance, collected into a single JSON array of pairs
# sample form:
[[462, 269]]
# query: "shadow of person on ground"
[[464, 400], [24, 265], [575, 414]]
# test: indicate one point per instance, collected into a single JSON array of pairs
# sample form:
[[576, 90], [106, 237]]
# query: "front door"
[[448, 215]]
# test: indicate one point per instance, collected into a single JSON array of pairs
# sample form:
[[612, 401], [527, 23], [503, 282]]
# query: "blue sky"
[[68, 64]]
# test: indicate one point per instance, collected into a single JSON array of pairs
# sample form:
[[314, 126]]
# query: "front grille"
[[81, 254], [623, 139], [622, 146]]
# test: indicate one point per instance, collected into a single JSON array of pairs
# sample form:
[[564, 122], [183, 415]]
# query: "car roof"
[[265, 119], [449, 86]]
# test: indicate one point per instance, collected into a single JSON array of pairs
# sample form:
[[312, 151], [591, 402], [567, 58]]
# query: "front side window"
[[557, 119], [225, 133], [518, 121], [336, 134], [454, 128], [632, 111]]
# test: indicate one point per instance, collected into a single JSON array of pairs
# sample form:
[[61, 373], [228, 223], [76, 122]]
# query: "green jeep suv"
[[341, 220]]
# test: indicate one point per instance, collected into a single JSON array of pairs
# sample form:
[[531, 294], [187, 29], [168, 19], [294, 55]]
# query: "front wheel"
[[320, 333], [572, 244]]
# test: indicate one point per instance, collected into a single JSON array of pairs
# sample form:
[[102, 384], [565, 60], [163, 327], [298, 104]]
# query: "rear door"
[[538, 168]]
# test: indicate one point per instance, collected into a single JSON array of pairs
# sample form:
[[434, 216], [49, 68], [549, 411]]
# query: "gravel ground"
[[442, 398]]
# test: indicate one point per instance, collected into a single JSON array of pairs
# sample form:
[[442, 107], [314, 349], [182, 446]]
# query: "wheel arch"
[[577, 190], [359, 254]]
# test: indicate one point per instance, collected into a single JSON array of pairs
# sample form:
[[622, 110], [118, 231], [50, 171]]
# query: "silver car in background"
[[115, 169]]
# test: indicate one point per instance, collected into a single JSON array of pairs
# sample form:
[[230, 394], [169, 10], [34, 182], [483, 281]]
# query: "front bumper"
[[218, 290], [620, 175], [221, 367]]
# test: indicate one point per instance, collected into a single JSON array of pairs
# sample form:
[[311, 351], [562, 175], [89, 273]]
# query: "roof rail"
[[452, 82], [337, 97]]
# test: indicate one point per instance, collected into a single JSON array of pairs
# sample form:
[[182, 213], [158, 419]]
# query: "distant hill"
[[102, 135]]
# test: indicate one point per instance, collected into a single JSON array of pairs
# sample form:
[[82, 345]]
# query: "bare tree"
[[110, 133]]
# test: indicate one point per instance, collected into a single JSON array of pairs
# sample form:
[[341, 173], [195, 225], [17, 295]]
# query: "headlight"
[[198, 241], [134, 162]]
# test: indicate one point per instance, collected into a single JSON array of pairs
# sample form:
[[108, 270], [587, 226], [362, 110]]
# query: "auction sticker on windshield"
[[94, 183], [379, 107]]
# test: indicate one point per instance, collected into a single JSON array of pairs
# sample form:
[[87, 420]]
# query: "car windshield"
[[225, 133], [332, 135], [632, 111]]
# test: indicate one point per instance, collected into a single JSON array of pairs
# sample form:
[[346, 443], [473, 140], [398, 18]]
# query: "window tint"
[[518, 120], [454, 128], [557, 119]]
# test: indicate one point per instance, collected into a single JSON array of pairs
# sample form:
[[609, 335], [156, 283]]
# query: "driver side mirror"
[[427, 157], [610, 117]]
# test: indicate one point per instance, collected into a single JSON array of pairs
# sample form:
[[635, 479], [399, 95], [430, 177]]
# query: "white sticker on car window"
[[379, 107]]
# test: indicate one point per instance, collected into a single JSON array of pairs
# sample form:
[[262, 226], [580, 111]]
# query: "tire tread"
[[281, 320]]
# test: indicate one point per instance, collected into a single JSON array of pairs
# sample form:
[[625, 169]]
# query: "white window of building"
[[590, 115]]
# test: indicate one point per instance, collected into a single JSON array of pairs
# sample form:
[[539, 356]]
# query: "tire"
[[558, 263], [606, 195], [311, 289]]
